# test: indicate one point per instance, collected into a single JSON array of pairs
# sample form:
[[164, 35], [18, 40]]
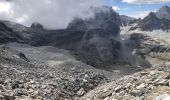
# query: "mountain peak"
[[164, 12], [37, 25], [165, 7]]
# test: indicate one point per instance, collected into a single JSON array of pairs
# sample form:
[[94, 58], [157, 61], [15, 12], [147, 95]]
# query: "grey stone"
[[163, 97], [81, 92]]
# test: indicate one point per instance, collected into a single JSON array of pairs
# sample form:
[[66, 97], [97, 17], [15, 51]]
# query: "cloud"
[[145, 1], [115, 8], [51, 13], [140, 14]]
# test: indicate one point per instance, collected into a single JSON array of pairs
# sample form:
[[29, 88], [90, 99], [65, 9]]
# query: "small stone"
[[84, 80], [107, 98], [136, 93], [20, 92], [144, 73], [163, 97], [25, 98], [152, 72], [118, 88], [162, 82], [81, 92], [112, 98], [128, 85], [31, 81], [2, 88], [141, 86], [106, 94], [8, 97], [36, 93], [165, 75], [26, 86]]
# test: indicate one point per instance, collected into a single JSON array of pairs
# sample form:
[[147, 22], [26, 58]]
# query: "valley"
[[100, 58]]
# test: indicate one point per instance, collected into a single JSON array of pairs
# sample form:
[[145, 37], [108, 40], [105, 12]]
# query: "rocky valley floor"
[[49, 73]]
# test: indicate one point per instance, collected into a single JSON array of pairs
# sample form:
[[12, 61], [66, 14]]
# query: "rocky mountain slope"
[[44, 73], [7, 34], [152, 84], [126, 20], [158, 20], [77, 62], [164, 12]]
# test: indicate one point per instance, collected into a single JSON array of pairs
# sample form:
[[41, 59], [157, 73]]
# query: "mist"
[[54, 14]]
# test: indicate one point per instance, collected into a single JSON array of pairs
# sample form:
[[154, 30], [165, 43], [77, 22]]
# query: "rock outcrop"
[[152, 22], [159, 20], [126, 20], [164, 12], [94, 40], [8, 35], [151, 84]]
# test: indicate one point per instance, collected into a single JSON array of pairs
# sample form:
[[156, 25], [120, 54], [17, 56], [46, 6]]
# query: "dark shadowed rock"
[[152, 22], [164, 12], [104, 18], [159, 20], [126, 20], [95, 40], [8, 35], [36, 25]]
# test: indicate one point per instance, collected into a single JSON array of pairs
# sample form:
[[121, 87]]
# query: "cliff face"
[[8, 35], [159, 20], [152, 22], [104, 18], [126, 20], [95, 40]]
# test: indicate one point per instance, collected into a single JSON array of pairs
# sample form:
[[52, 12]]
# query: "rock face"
[[145, 44], [95, 40], [164, 12], [126, 20], [152, 22], [104, 18], [8, 35], [98, 46], [159, 20], [151, 84], [36, 25]]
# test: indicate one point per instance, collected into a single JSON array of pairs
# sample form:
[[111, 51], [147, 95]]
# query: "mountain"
[[7, 34], [163, 12], [104, 18], [126, 20], [69, 64], [159, 20], [152, 22], [94, 40], [69, 61]]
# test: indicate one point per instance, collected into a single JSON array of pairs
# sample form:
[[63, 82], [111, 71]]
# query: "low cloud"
[[145, 1], [50, 13], [140, 14], [115, 8]]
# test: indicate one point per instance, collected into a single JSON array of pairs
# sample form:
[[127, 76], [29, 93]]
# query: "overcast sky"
[[51, 13], [58, 13]]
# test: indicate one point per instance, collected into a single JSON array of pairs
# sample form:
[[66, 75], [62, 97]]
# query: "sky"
[[136, 8], [59, 13]]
